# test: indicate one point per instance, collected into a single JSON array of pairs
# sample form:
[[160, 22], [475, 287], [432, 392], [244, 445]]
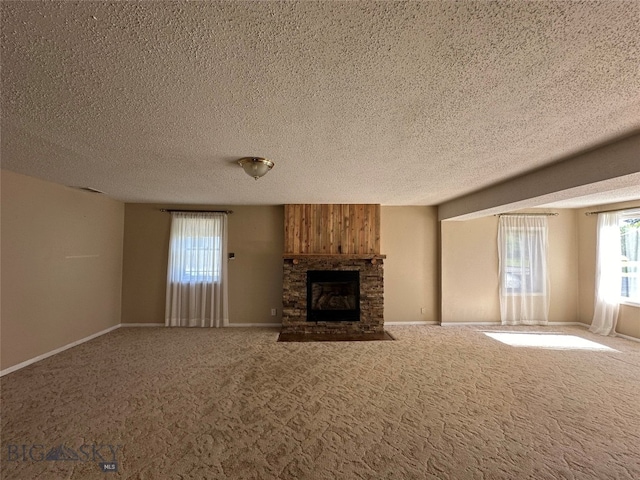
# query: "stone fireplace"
[[333, 275]]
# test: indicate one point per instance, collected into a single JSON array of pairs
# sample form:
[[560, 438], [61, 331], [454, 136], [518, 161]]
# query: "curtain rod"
[[168, 210], [612, 210], [526, 214]]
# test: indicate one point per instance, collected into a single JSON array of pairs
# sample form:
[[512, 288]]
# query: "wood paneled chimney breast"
[[332, 229]]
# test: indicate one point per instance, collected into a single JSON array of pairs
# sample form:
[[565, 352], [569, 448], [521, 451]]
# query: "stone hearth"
[[294, 312]]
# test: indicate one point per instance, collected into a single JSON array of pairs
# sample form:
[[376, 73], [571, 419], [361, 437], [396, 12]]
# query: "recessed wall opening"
[[333, 296]]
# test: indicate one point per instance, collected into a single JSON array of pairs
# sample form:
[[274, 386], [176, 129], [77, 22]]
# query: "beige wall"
[[256, 236], [470, 269], [563, 266], [61, 266], [629, 315], [409, 238], [629, 320]]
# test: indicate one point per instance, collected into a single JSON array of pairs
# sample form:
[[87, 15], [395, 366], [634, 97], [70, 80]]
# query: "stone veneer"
[[294, 296]]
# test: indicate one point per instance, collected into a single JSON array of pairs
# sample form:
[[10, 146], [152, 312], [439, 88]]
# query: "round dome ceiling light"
[[256, 167]]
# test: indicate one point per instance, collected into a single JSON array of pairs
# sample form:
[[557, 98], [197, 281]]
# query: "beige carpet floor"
[[437, 403]]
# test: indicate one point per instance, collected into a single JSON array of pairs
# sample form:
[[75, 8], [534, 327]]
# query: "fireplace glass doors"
[[333, 296]]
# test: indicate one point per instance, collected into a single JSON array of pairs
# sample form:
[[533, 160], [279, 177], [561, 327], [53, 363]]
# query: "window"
[[523, 271], [630, 249], [522, 261], [195, 249], [197, 270], [201, 259]]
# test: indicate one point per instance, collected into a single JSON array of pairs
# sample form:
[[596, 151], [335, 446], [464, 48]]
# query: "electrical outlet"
[[423, 310], [274, 312]]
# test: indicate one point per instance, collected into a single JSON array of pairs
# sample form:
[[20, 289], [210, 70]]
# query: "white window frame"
[[633, 301]]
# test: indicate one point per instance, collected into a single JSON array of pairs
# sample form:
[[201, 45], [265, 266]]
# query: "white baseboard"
[[142, 324], [228, 325], [567, 324], [628, 337], [549, 324], [255, 325], [26, 363], [399, 324], [464, 324]]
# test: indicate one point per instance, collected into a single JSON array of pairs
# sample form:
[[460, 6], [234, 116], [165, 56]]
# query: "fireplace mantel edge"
[[337, 256]]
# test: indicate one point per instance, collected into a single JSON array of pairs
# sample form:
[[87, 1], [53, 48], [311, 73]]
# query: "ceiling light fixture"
[[256, 167]]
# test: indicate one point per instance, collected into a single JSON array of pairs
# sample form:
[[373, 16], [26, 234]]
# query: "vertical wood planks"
[[374, 218], [296, 228], [332, 229], [344, 235]]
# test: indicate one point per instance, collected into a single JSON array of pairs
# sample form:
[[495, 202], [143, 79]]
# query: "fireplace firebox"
[[333, 296]]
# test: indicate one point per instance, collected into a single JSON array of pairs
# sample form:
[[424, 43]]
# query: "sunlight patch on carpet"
[[547, 340]]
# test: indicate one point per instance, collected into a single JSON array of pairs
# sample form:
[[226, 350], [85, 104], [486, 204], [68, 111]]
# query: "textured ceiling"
[[398, 103]]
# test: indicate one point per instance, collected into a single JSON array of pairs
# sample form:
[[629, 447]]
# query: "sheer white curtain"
[[197, 271], [608, 274], [524, 282]]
